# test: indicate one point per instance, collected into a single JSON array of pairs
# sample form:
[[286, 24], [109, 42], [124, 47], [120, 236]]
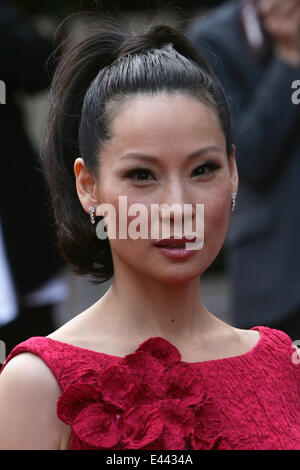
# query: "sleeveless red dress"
[[153, 400]]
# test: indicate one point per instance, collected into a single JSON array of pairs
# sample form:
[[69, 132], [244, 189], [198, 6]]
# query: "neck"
[[142, 307]]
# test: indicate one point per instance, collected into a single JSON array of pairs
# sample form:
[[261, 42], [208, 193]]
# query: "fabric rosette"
[[151, 400]]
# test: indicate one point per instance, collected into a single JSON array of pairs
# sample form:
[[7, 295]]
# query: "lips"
[[175, 248], [173, 242]]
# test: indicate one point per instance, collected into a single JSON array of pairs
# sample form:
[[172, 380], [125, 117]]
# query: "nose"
[[176, 211], [176, 206]]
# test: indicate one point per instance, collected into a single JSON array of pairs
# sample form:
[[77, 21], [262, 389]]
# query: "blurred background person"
[[254, 47], [31, 281]]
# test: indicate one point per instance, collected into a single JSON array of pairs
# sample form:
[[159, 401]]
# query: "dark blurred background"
[[55, 7]]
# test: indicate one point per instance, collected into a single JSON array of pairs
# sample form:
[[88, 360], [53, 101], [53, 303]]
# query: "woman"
[[147, 366]]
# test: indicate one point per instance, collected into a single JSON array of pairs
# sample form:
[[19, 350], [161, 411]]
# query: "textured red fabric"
[[153, 400]]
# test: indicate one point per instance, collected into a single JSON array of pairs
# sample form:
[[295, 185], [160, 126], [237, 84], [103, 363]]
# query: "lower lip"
[[176, 252]]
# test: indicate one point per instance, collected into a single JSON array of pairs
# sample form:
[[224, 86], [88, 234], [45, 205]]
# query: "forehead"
[[165, 122]]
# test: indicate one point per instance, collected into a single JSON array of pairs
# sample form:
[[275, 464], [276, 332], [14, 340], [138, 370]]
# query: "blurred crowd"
[[254, 48]]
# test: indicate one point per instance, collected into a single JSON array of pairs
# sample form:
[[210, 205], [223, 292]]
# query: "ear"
[[233, 170], [85, 185]]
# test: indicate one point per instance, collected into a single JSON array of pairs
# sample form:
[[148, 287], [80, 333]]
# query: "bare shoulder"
[[248, 338], [28, 369], [28, 396]]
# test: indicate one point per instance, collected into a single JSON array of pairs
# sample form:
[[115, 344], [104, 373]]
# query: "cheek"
[[217, 216], [125, 226]]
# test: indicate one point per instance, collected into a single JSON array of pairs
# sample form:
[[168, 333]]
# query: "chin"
[[183, 271], [177, 275], [178, 281]]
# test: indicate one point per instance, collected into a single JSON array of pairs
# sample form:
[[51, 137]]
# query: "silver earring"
[[233, 201], [92, 214]]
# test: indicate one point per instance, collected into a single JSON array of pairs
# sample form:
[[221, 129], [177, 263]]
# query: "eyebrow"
[[192, 155]]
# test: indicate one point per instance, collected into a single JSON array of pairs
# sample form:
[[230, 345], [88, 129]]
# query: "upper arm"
[[28, 397]]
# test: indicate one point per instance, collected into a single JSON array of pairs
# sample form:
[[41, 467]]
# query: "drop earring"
[[233, 201], [92, 214]]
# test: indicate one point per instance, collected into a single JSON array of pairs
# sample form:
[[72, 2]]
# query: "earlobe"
[[233, 151], [233, 169]]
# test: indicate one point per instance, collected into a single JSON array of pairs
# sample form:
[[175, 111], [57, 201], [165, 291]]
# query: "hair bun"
[[156, 37]]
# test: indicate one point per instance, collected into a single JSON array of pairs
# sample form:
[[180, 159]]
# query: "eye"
[[141, 174], [210, 166]]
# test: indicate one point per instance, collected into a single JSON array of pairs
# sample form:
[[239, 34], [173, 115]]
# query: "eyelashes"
[[143, 172], [212, 166], [140, 171]]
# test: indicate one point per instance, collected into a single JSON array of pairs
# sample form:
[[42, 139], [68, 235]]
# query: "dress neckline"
[[251, 352]]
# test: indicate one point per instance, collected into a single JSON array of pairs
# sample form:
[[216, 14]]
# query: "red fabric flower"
[[140, 425], [151, 400]]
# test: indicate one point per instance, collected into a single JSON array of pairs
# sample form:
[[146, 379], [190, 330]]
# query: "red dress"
[[153, 400]]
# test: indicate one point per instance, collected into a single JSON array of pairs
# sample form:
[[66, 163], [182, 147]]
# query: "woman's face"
[[169, 128]]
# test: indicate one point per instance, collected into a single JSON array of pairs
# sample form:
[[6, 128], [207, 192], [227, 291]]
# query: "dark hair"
[[110, 63]]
